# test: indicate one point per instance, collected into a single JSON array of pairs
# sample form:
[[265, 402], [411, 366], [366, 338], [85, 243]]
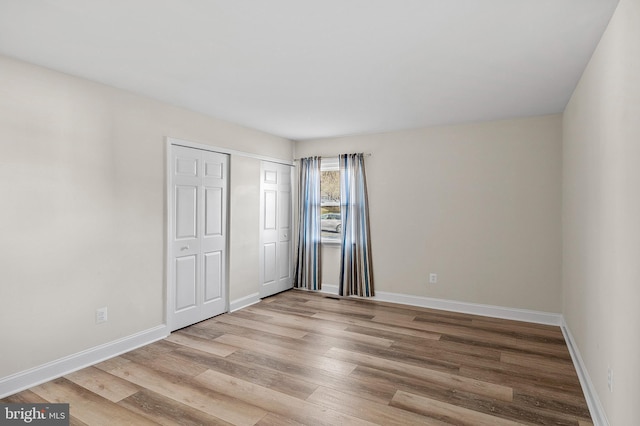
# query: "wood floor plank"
[[258, 374], [379, 393], [205, 345], [87, 406], [112, 363], [440, 351], [539, 363], [257, 335], [272, 419], [308, 323], [367, 410], [321, 362], [388, 316], [279, 403], [357, 337], [168, 412], [24, 397], [102, 383], [552, 402], [376, 326], [447, 412], [255, 325], [164, 362], [340, 307], [218, 405], [503, 393], [523, 407], [521, 379], [490, 339], [484, 352], [440, 364], [552, 332], [312, 325]]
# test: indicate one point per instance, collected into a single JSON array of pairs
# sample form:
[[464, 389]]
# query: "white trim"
[[526, 315], [243, 302], [598, 415], [516, 314], [168, 261], [43, 373], [189, 144], [329, 289]]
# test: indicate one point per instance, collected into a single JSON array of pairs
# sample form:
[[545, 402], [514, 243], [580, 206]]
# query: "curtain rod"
[[366, 154]]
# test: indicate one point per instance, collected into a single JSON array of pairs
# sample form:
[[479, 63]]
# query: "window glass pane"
[[330, 220]]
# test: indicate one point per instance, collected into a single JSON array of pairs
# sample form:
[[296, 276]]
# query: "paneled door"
[[198, 236], [276, 267]]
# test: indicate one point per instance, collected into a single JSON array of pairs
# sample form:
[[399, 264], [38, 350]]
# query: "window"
[[330, 219]]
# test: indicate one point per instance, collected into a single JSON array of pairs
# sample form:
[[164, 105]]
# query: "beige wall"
[[82, 223], [478, 204], [601, 215]]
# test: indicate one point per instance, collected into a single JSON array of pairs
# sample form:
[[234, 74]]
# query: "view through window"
[[330, 220]]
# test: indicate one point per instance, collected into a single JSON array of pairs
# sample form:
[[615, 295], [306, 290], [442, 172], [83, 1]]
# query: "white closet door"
[[197, 276], [276, 268]]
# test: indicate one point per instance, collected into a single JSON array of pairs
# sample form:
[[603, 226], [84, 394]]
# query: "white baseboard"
[[329, 289], [538, 317], [243, 302], [598, 415], [516, 314], [25, 379]]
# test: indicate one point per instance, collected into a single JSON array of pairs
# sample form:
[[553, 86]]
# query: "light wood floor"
[[302, 358]]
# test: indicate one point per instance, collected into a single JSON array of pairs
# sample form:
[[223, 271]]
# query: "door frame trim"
[[169, 143]]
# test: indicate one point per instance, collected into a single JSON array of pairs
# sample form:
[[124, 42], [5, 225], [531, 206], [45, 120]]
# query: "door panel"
[[275, 228], [284, 213], [270, 267], [198, 246], [185, 283], [186, 166], [270, 212], [285, 261], [213, 211], [213, 168], [270, 176], [186, 211], [212, 276]]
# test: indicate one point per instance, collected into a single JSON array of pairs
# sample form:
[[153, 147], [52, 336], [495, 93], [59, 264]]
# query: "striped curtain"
[[356, 273], [308, 272]]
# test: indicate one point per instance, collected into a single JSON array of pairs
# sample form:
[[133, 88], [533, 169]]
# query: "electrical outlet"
[[101, 315], [433, 278], [610, 379]]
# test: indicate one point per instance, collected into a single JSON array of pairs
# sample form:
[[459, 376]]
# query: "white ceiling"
[[305, 69]]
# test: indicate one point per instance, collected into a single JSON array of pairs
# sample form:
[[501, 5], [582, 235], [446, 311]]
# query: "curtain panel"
[[308, 272], [356, 273]]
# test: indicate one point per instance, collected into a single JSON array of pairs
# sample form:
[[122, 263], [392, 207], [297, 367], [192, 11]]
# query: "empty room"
[[243, 212]]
